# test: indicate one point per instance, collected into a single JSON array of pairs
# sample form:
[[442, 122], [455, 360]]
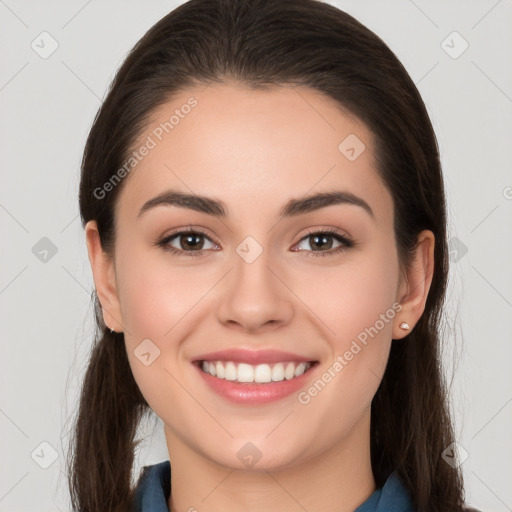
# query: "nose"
[[254, 296]]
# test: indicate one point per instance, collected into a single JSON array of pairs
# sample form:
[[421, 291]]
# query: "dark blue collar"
[[154, 488]]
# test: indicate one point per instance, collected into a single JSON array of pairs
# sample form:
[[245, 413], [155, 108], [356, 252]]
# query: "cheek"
[[349, 299], [155, 294], [155, 299], [160, 302], [355, 303]]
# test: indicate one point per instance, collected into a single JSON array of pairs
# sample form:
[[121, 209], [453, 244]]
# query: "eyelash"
[[347, 243]]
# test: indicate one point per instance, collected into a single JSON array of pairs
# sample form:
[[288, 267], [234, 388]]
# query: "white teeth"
[[245, 373], [220, 370], [298, 371], [289, 373], [261, 373], [278, 372], [230, 371]]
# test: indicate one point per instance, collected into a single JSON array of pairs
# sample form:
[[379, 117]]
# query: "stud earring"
[[404, 326]]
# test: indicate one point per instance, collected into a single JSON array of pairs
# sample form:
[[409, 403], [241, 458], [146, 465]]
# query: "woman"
[[265, 220]]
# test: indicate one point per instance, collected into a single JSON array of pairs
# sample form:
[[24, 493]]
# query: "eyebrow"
[[292, 208]]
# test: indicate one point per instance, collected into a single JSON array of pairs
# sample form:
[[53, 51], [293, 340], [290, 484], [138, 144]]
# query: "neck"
[[337, 480]]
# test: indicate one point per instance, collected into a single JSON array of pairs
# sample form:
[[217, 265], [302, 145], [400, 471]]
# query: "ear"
[[413, 290], [103, 270]]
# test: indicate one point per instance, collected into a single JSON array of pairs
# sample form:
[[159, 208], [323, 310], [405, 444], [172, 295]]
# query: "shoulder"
[[395, 493], [153, 488]]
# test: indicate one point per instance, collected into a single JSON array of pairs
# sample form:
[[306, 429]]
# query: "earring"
[[404, 326]]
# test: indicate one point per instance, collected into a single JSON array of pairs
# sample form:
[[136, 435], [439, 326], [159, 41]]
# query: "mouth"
[[240, 372], [245, 376]]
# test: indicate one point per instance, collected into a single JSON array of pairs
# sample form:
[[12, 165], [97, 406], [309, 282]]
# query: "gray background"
[[47, 107]]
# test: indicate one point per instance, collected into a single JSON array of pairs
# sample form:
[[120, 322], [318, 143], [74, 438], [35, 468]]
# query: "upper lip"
[[239, 355]]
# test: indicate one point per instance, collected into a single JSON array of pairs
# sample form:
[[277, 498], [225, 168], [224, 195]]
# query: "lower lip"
[[250, 393]]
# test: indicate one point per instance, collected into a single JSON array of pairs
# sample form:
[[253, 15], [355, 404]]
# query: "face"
[[256, 274]]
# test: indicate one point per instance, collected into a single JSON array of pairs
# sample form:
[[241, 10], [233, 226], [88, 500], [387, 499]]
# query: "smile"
[[259, 374]]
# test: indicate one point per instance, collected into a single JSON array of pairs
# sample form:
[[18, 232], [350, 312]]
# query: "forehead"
[[246, 146]]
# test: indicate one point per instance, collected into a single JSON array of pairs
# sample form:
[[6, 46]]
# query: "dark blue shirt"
[[154, 488]]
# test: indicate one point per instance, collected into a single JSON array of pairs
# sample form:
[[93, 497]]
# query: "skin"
[[255, 150]]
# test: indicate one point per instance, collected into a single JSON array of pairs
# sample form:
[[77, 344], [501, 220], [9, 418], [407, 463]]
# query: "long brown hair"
[[261, 43]]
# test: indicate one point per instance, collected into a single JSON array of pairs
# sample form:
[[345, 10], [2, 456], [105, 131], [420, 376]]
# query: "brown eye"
[[322, 243], [188, 243], [191, 241]]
